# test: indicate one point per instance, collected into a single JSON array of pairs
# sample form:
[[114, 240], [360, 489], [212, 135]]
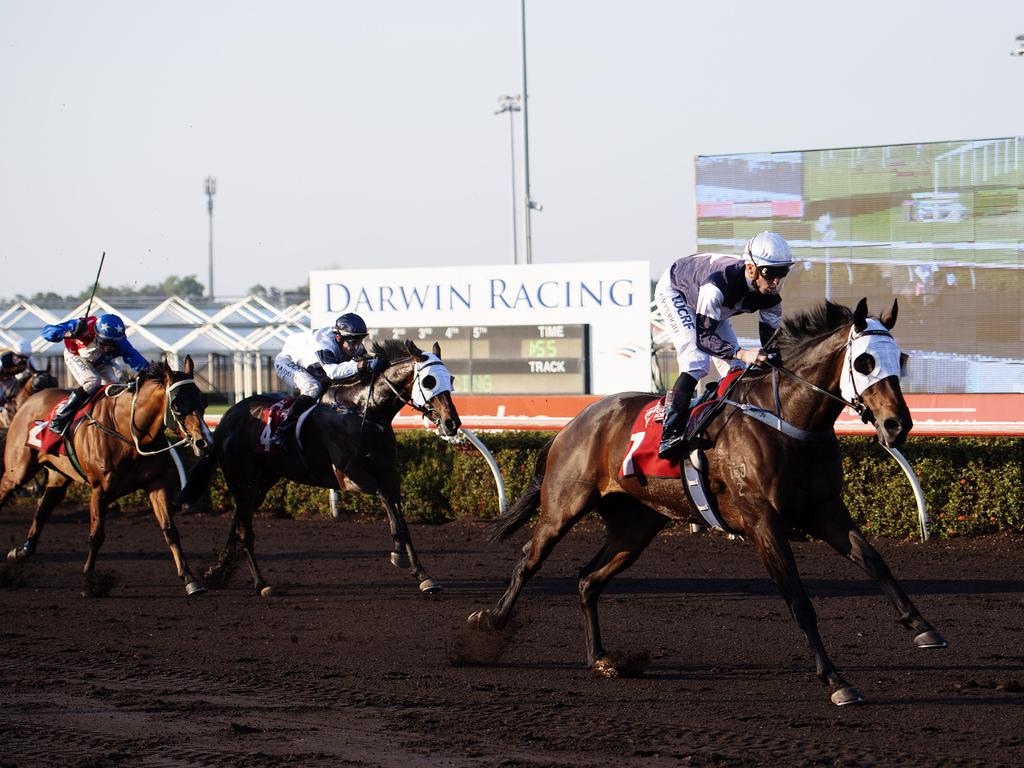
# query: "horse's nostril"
[[892, 425]]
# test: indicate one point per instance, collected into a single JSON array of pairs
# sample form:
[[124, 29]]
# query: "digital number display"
[[507, 359]]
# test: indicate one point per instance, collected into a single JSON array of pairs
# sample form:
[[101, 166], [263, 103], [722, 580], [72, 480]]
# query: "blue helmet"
[[350, 326], [109, 328]]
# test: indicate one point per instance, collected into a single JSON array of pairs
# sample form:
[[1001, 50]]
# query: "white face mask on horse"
[[871, 356], [432, 378]]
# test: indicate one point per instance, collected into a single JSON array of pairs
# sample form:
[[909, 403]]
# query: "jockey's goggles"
[[773, 273]]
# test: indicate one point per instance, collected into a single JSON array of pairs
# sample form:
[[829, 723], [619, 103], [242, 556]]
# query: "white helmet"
[[768, 249], [23, 347]]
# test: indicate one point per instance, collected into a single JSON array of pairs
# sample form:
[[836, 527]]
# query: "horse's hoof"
[[847, 695], [267, 591], [399, 560], [930, 639], [17, 553], [194, 588], [429, 587], [605, 668]]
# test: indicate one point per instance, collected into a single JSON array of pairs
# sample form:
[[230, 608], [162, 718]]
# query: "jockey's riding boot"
[[677, 412], [62, 418], [302, 404]]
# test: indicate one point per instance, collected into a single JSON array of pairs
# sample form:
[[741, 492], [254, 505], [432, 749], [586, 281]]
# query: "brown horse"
[[767, 483], [345, 442], [119, 448]]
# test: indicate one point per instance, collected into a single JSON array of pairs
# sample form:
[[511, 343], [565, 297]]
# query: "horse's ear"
[[889, 318], [49, 360], [189, 367], [860, 315], [436, 349], [409, 346]]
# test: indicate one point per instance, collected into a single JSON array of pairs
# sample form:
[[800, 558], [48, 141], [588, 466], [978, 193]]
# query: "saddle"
[[272, 418], [641, 460], [41, 438]]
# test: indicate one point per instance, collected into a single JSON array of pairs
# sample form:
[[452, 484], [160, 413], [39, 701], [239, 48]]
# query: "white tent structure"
[[232, 345]]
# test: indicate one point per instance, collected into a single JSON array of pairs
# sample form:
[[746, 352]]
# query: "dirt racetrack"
[[349, 666]]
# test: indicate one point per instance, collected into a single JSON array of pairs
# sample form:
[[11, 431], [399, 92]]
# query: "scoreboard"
[[507, 359]]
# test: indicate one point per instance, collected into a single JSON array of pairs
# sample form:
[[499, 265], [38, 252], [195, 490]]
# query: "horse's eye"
[[429, 382], [864, 364]]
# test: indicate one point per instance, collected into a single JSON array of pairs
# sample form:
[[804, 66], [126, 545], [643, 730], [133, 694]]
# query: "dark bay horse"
[[347, 442], [25, 385], [767, 484], [121, 447]]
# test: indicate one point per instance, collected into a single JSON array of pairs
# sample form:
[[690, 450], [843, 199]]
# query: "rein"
[[774, 419], [187, 440]]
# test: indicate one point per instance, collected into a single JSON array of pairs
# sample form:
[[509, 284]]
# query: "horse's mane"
[[802, 330], [390, 349], [154, 372]]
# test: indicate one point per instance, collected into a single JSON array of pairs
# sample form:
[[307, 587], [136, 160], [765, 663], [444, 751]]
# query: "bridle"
[[178, 426], [421, 399], [775, 420]]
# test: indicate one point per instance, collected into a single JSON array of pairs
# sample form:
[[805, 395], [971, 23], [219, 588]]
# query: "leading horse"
[[118, 448], [767, 484], [345, 442]]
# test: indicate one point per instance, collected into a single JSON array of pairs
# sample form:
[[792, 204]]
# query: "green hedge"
[[971, 486]]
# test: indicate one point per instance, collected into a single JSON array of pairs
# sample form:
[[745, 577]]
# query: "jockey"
[[16, 358], [14, 361], [697, 295], [91, 345], [311, 359]]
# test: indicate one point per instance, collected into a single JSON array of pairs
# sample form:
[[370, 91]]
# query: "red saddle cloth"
[[641, 457], [44, 440], [272, 418]]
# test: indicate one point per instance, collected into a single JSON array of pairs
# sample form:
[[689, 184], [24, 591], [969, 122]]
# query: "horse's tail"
[[198, 480], [513, 518]]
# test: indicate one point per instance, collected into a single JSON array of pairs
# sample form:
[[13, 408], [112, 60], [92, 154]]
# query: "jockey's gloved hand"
[[372, 364], [78, 329]]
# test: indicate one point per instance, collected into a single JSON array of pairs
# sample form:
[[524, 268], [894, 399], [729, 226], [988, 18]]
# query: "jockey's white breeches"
[[90, 376], [681, 323], [297, 377]]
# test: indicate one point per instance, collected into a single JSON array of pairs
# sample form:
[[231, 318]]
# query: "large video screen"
[[939, 226]]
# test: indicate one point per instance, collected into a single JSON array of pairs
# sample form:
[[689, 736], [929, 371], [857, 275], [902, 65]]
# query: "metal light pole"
[[211, 190], [528, 205], [510, 104]]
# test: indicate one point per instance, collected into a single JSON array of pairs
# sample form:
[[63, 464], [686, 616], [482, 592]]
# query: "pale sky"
[[362, 134]]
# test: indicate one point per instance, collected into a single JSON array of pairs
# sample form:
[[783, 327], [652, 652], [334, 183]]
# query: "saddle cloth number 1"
[[627, 462]]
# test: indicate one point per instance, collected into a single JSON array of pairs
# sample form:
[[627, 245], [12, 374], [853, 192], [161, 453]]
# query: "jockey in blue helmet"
[[91, 345]]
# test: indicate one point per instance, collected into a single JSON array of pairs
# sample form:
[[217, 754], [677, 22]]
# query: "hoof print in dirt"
[[99, 585], [474, 645]]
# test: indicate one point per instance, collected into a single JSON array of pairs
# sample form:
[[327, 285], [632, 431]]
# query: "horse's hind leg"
[[56, 490], [158, 499], [562, 506], [841, 533], [773, 547], [631, 527]]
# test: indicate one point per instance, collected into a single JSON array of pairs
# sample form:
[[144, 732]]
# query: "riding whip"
[[95, 284]]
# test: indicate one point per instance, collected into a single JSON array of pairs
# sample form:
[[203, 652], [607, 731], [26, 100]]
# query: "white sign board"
[[612, 298]]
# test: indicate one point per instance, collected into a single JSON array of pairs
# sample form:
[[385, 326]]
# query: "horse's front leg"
[[158, 499], [772, 545], [403, 552], [840, 532]]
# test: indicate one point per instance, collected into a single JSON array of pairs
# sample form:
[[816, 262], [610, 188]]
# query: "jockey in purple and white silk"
[[312, 359], [92, 347], [697, 295]]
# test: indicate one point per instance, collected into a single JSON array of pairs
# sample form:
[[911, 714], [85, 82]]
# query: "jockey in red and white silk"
[[91, 348], [697, 295]]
